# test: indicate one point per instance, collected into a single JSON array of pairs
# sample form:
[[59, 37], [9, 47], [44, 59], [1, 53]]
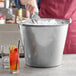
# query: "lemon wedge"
[[12, 47]]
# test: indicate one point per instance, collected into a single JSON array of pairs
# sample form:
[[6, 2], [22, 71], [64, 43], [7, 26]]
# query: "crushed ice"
[[36, 20]]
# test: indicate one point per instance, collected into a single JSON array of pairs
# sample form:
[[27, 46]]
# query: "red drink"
[[14, 60]]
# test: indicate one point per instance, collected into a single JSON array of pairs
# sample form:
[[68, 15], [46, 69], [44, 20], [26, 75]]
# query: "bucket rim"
[[43, 25]]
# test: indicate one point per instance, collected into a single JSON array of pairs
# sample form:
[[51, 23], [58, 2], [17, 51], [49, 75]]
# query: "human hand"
[[31, 6]]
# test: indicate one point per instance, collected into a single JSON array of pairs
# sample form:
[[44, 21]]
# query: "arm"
[[31, 6], [19, 4]]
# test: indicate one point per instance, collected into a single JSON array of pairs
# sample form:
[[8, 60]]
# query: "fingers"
[[27, 13], [30, 8]]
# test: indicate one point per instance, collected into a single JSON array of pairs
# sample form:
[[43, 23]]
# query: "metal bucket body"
[[43, 45]]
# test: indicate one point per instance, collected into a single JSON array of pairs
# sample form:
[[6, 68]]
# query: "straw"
[[17, 56]]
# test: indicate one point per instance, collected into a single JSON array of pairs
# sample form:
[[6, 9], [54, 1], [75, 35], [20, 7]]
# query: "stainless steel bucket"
[[44, 44]]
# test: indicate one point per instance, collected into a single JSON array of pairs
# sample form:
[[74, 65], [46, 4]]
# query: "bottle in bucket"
[[14, 59]]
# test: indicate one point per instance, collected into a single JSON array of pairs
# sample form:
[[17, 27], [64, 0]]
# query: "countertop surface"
[[67, 68]]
